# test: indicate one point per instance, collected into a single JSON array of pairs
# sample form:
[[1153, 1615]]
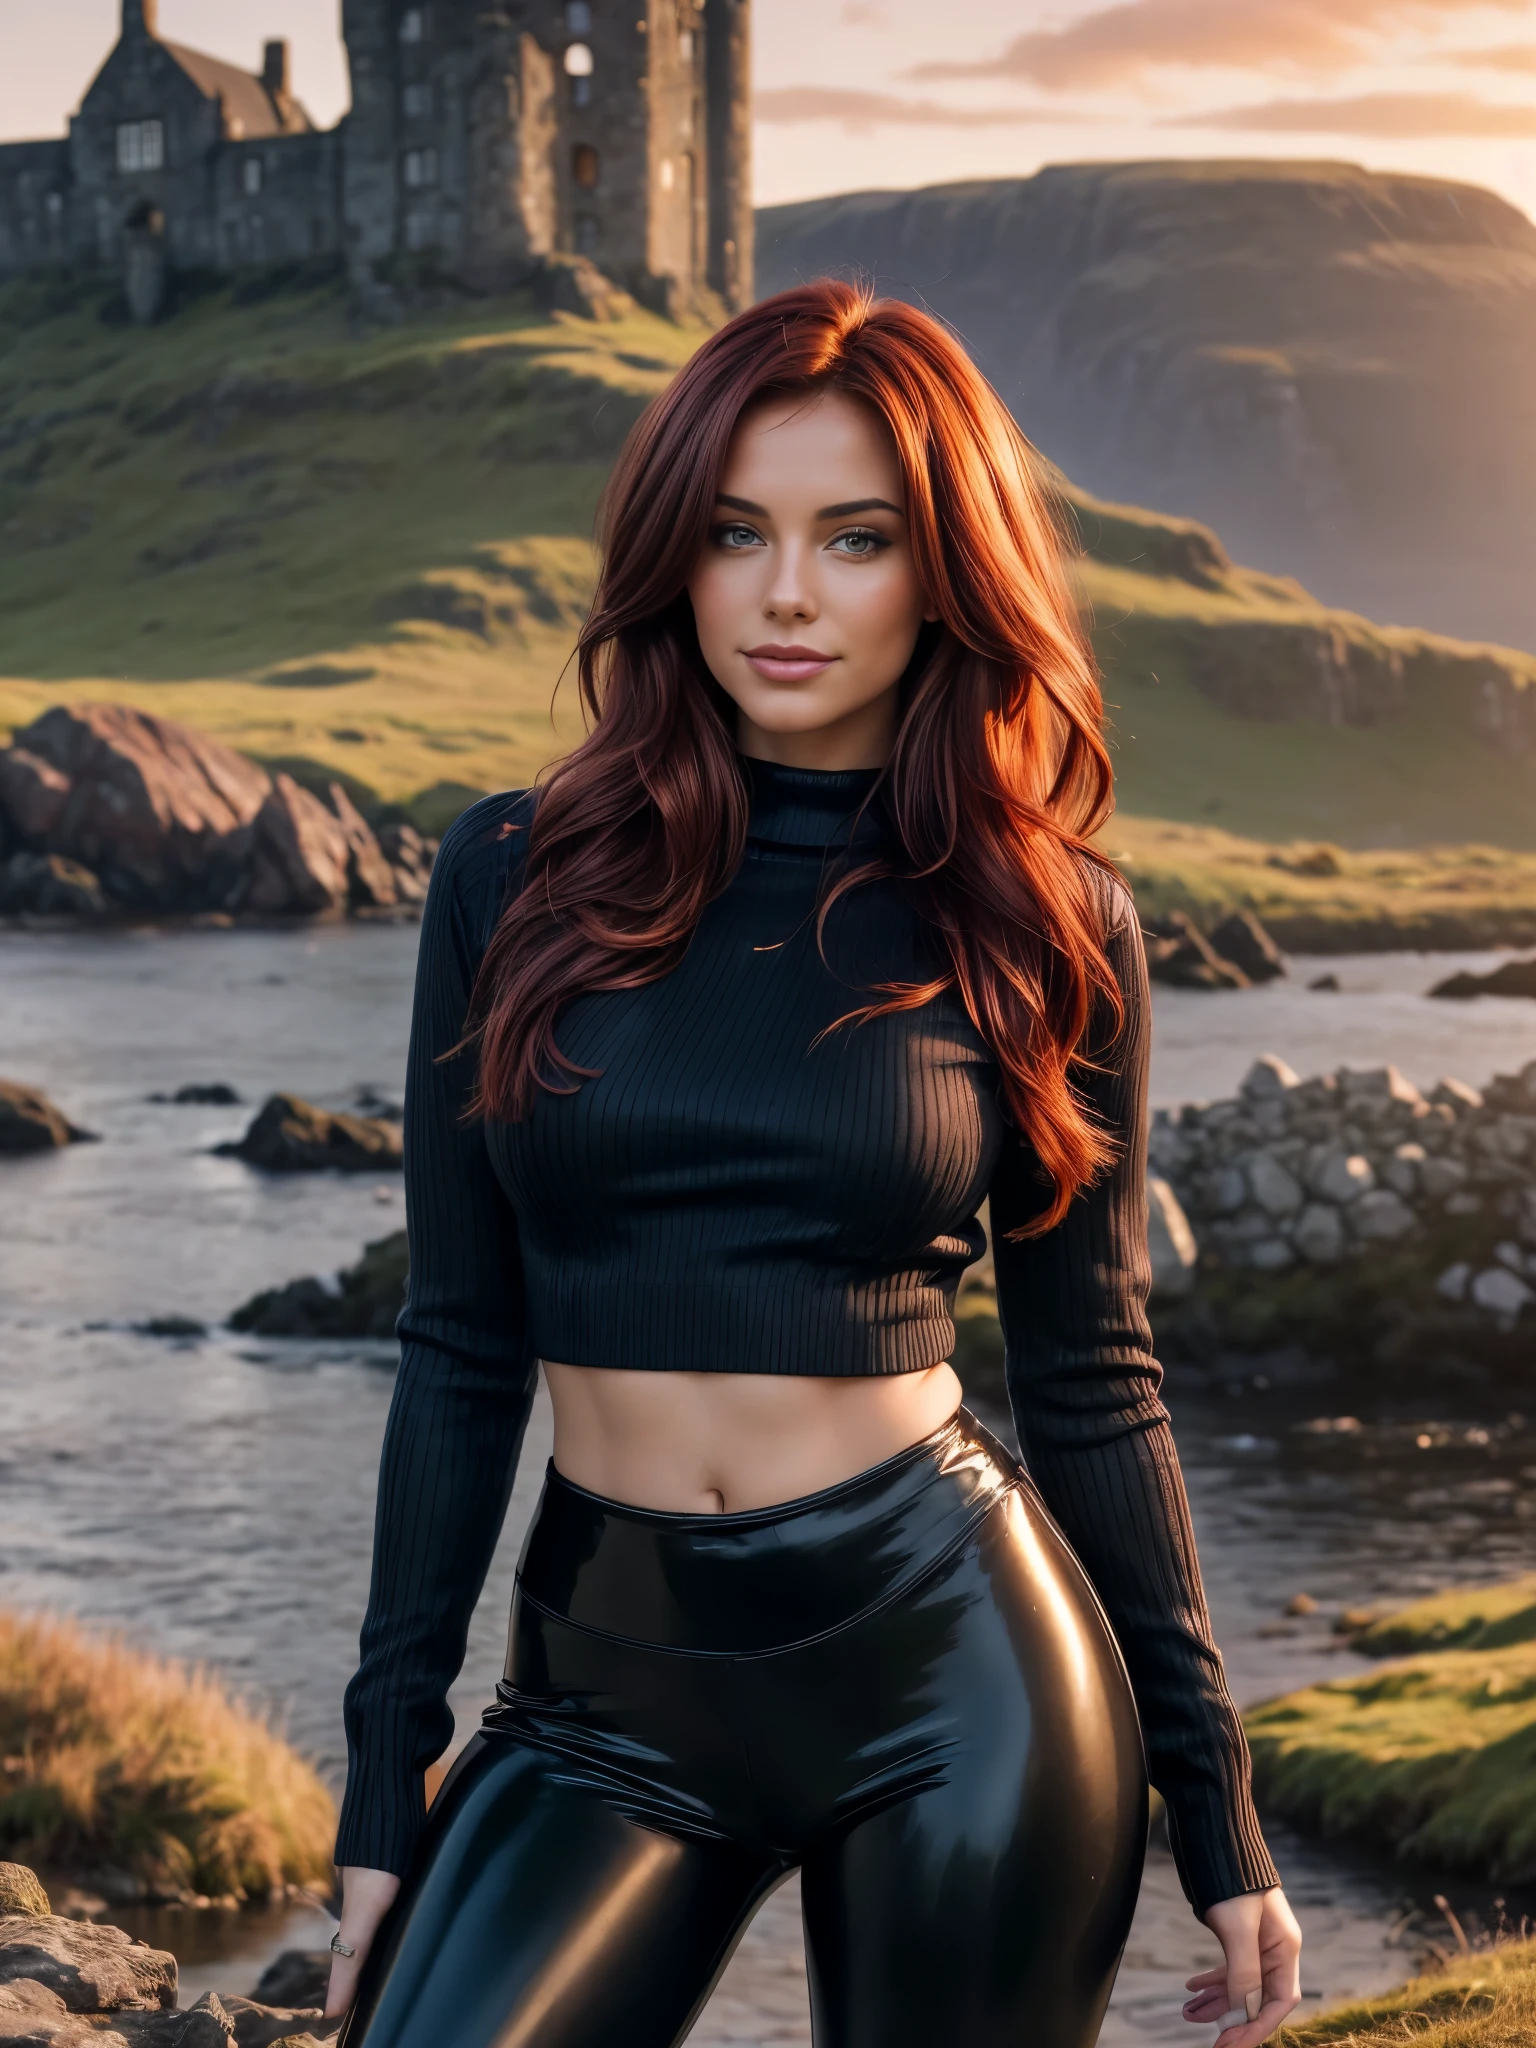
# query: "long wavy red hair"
[[999, 773]]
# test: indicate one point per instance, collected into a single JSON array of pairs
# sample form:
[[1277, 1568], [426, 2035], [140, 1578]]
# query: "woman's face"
[[806, 597]]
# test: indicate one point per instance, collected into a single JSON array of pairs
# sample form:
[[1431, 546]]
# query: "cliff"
[[1329, 365]]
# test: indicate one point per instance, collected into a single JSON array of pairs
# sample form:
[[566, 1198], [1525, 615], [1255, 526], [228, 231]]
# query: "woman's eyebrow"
[[853, 506], [860, 505]]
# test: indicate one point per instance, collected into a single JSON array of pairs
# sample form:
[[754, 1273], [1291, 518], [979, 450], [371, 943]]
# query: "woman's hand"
[[366, 1896], [1260, 1982]]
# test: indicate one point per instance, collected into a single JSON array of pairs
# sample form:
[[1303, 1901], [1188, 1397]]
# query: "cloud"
[[1119, 45], [1511, 57], [880, 109], [1396, 115]]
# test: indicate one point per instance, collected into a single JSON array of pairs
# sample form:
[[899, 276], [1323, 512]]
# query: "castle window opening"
[[584, 166], [140, 145], [578, 17], [685, 45], [578, 69], [415, 24], [253, 175], [665, 174], [586, 235], [417, 100], [421, 167]]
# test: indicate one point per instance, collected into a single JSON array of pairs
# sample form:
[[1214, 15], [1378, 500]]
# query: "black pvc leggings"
[[904, 1686]]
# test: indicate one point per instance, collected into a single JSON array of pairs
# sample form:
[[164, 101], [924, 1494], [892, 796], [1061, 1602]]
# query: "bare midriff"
[[696, 1443]]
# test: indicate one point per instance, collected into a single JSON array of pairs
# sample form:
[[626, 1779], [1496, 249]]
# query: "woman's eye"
[[738, 536], [860, 544]]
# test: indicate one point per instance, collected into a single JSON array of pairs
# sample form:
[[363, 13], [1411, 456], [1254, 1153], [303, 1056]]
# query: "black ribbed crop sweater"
[[735, 1194]]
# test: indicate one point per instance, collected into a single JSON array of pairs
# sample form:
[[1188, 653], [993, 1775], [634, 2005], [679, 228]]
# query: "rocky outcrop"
[[103, 807], [1236, 954], [29, 1122], [1513, 978], [73, 1986], [1350, 1213], [363, 1301], [290, 1135], [89, 1967]]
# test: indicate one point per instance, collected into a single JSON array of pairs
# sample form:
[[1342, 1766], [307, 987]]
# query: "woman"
[[721, 1039]]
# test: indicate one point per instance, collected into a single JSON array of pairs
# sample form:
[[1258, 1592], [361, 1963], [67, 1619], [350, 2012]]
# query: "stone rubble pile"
[[104, 808], [1319, 1172]]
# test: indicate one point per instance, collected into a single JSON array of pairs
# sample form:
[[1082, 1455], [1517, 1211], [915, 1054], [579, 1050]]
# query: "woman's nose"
[[789, 594]]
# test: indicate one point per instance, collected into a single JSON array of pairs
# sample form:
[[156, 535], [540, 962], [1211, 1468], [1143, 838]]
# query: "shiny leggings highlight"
[[904, 1687]]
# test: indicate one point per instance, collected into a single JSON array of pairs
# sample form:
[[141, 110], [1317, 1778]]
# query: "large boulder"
[[290, 1135], [92, 1968], [363, 1303], [1183, 957], [29, 1122], [162, 814], [302, 859], [1241, 939], [370, 878]]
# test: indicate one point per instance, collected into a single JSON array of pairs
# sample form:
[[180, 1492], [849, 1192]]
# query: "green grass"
[[368, 548], [112, 1757], [1433, 1755], [1467, 1618], [1483, 2000], [1206, 664]]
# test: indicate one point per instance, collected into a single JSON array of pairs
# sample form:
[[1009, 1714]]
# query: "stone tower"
[[486, 135]]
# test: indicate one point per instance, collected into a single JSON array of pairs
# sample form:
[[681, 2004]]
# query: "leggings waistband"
[[732, 1585]]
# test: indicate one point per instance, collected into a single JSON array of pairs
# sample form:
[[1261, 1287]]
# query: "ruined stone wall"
[[277, 201], [34, 207]]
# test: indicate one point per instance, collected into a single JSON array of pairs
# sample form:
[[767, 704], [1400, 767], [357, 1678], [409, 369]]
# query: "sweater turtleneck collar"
[[812, 807]]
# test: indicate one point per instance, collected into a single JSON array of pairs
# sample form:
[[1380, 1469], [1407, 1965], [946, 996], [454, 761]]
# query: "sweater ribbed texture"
[[737, 1192]]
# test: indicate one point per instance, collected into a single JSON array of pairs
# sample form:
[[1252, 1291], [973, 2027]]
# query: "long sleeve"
[[1084, 1389], [465, 1382]]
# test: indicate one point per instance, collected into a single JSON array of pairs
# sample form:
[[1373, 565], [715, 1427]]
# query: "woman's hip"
[[767, 1676]]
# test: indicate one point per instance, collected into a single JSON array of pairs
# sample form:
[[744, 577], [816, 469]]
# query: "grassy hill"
[[369, 548], [365, 548]]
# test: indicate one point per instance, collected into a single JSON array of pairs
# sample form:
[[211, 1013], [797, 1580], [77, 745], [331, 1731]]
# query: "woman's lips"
[[788, 664]]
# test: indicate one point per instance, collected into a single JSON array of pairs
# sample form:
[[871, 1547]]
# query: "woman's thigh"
[[986, 1902], [538, 1917]]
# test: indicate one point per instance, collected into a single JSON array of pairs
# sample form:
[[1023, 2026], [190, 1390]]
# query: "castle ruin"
[[484, 137]]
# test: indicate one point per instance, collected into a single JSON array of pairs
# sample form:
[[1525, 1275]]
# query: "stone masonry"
[[483, 140]]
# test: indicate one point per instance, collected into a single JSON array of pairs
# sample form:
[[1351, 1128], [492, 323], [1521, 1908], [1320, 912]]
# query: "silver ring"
[[340, 1947]]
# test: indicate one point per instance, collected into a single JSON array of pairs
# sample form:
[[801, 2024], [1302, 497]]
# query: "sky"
[[853, 94]]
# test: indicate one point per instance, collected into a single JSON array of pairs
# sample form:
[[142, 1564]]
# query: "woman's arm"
[[1084, 1388], [465, 1382]]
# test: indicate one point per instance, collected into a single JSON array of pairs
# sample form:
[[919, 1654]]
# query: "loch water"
[[210, 1497]]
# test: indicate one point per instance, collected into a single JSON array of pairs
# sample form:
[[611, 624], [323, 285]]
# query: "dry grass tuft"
[[1482, 2000], [112, 1757]]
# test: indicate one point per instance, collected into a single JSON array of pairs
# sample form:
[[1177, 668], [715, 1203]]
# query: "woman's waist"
[[731, 1442], [723, 1583]]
